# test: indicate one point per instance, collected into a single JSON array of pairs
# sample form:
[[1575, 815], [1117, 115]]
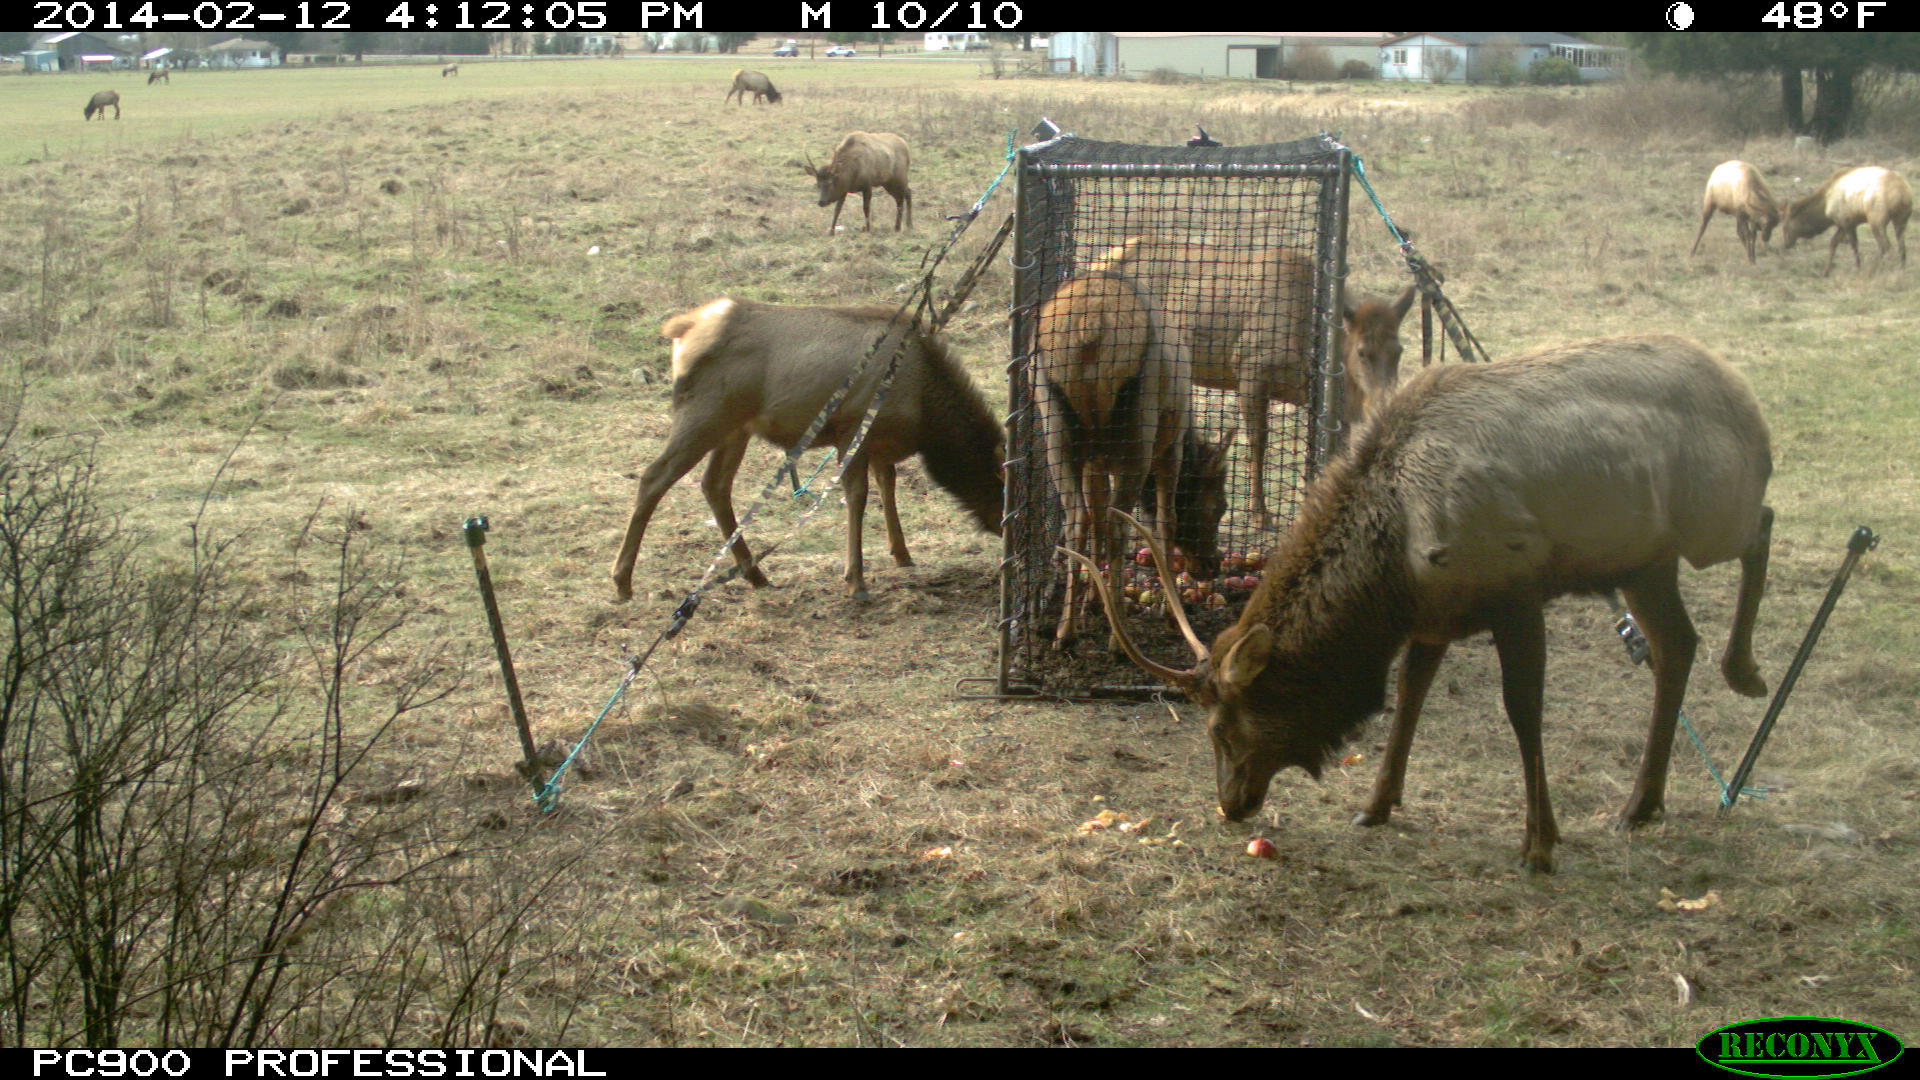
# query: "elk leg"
[[1880, 239], [837, 207], [1654, 598], [866, 207], [1744, 228], [689, 441], [1738, 665], [853, 481], [1704, 218], [1253, 416], [717, 485], [1520, 638], [1416, 677], [896, 538], [1900, 234]]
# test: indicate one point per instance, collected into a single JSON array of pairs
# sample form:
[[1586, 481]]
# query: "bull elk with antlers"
[[1246, 319], [1476, 495], [742, 368], [1115, 410], [864, 160]]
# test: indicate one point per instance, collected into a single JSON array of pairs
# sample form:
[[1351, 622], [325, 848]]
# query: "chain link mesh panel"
[[1175, 309]]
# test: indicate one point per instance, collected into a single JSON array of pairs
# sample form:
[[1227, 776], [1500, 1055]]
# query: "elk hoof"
[[1744, 678], [1369, 818], [754, 577], [1537, 862], [1633, 817]]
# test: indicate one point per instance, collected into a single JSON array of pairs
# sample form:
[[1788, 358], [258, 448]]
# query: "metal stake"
[[476, 533], [1862, 541]]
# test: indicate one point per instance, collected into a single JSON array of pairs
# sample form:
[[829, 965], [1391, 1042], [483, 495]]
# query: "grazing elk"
[[98, 104], [450, 69], [1850, 198], [1474, 496], [160, 73], [864, 160], [1246, 318], [742, 368], [1115, 410], [1735, 187], [753, 82]]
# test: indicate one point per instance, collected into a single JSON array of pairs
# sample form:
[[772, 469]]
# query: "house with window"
[[242, 53], [1481, 57]]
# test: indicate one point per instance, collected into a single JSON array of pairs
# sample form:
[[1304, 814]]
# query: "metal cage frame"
[[1307, 178]]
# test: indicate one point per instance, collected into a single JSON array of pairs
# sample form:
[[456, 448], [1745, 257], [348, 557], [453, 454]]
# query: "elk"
[[742, 368], [1115, 410], [98, 104], [160, 73], [1246, 318], [753, 82], [1869, 195], [864, 160], [1473, 497], [450, 69], [1735, 187]]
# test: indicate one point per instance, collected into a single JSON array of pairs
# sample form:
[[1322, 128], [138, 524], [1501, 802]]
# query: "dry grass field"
[[288, 305]]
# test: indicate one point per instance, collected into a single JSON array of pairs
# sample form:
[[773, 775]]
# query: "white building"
[[1477, 57]]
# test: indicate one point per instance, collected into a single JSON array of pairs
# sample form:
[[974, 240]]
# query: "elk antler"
[[1187, 679], [1169, 584]]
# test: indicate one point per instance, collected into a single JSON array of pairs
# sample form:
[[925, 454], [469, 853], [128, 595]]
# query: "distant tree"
[[730, 43], [1440, 63], [287, 41], [1835, 60], [13, 41], [358, 42]]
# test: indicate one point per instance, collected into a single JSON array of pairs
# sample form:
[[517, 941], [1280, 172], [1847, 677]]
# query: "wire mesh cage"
[[1175, 309]]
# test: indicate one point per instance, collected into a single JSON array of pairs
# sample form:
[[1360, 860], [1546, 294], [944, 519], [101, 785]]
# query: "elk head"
[[824, 180], [1249, 744]]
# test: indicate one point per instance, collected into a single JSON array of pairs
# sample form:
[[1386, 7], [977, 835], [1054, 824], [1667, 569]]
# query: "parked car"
[[840, 50], [787, 50]]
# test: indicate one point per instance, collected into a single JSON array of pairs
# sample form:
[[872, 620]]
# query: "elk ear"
[[1247, 658], [1405, 302]]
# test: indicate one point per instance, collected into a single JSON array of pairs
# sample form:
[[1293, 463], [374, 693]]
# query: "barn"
[[1214, 55], [1479, 57]]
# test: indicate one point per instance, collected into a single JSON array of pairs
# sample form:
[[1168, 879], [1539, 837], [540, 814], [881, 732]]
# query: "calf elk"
[[1869, 196], [1735, 187], [864, 160], [1245, 320], [742, 368], [1114, 412], [1473, 497]]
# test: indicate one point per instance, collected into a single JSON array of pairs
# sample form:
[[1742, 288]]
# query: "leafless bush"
[[197, 851], [1313, 63]]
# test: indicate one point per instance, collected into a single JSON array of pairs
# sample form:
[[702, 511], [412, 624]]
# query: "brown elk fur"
[[864, 160], [1869, 196], [98, 104], [742, 368], [753, 82], [450, 69], [1735, 188], [1115, 410], [160, 74], [1473, 497], [1245, 318]]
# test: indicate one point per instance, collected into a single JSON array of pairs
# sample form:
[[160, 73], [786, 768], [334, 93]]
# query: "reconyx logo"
[[1800, 1047]]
